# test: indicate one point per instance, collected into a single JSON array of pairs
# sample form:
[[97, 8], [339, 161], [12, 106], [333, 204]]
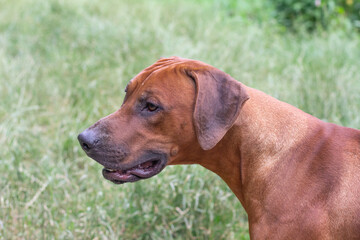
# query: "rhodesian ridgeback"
[[296, 176]]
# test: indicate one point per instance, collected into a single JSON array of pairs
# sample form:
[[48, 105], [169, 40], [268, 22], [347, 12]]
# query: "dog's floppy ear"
[[219, 99]]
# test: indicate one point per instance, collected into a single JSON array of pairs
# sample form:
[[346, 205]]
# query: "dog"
[[296, 176]]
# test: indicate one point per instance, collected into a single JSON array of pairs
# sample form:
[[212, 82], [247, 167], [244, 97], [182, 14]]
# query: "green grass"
[[64, 64]]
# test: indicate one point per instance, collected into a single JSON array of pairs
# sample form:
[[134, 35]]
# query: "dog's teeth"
[[111, 170]]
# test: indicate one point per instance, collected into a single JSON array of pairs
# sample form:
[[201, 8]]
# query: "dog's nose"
[[87, 140]]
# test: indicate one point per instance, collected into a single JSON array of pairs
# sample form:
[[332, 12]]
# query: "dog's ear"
[[219, 99]]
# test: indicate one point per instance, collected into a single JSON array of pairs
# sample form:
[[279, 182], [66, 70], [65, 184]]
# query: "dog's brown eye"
[[151, 107]]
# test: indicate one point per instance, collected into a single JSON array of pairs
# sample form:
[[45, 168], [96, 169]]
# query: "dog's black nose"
[[87, 140]]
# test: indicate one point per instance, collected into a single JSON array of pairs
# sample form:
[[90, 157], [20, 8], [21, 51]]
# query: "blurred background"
[[64, 64]]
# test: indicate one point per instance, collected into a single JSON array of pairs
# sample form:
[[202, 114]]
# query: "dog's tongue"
[[142, 170], [119, 175]]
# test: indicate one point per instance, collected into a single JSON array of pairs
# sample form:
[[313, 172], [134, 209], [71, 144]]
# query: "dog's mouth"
[[144, 170]]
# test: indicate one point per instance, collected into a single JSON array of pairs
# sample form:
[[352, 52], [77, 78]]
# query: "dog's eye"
[[151, 107]]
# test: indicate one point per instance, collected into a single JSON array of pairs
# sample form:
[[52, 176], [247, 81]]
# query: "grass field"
[[64, 64]]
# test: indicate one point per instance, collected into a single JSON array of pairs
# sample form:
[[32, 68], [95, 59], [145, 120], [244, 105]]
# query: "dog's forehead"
[[144, 74], [165, 70], [173, 65]]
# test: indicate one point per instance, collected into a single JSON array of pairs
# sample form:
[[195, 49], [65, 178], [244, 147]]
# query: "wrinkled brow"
[[131, 82], [129, 89]]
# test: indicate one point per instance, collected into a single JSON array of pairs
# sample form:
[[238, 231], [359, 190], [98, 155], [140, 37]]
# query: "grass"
[[64, 64]]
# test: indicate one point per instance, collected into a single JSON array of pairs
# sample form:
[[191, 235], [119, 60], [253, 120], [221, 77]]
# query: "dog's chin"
[[145, 169]]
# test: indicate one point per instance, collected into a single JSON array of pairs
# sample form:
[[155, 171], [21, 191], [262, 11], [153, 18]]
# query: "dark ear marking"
[[219, 99]]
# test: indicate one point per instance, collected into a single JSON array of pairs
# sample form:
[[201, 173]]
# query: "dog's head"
[[172, 108]]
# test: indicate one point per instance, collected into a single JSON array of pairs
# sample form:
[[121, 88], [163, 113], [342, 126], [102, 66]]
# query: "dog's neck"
[[269, 129]]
